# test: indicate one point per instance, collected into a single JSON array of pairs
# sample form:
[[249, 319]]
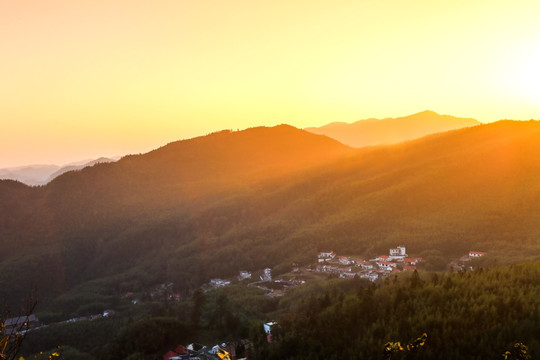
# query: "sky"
[[84, 79]]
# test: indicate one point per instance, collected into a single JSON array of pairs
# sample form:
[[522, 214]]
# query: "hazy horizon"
[[109, 78], [96, 154]]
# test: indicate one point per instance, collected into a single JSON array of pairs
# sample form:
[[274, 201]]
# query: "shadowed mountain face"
[[187, 172], [78, 166], [392, 130], [209, 206]]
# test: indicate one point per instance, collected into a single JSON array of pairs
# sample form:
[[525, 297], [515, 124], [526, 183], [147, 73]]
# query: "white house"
[[475, 254], [366, 266], [268, 327], [344, 260], [398, 253], [327, 268], [326, 256], [386, 265], [219, 282], [267, 274], [244, 275]]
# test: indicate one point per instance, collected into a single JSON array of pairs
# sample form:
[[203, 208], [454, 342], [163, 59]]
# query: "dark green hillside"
[[112, 217], [473, 315], [19, 223], [210, 206], [183, 172]]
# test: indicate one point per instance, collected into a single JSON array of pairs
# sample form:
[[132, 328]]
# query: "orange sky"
[[83, 79]]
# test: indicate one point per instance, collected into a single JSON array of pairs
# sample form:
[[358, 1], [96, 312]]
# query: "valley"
[[202, 210]]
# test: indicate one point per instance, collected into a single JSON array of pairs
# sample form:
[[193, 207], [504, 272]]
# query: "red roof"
[[477, 252], [408, 267], [410, 260], [180, 349], [384, 257], [386, 263], [169, 354]]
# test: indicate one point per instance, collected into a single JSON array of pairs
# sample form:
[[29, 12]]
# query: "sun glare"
[[522, 74], [529, 77]]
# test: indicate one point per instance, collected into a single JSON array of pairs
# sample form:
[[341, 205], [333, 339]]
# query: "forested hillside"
[[263, 197], [472, 315], [468, 315]]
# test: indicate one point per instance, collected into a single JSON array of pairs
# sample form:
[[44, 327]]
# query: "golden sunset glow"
[[102, 78]]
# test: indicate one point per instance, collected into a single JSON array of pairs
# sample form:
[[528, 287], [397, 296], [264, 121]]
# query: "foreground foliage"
[[471, 315]]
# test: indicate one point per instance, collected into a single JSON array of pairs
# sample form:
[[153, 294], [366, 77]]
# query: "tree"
[[11, 339], [518, 352], [198, 300]]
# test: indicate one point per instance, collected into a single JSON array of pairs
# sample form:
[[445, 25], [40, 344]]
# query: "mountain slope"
[[476, 187], [392, 130], [77, 166], [210, 206], [36, 175], [185, 172]]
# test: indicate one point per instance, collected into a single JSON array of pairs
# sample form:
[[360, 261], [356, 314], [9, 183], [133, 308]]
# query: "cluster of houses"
[[397, 260], [229, 351], [266, 275], [347, 267]]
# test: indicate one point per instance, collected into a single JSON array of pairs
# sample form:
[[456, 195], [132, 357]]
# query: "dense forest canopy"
[[466, 315]]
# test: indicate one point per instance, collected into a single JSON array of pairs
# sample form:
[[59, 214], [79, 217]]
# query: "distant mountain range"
[[358, 134], [35, 175], [210, 206], [391, 130]]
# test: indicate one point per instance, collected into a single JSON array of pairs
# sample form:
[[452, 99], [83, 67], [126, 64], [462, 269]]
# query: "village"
[[326, 264], [348, 267], [329, 263]]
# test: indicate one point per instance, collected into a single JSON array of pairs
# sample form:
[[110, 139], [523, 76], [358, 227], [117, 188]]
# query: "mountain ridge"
[[37, 175], [386, 131], [441, 195]]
